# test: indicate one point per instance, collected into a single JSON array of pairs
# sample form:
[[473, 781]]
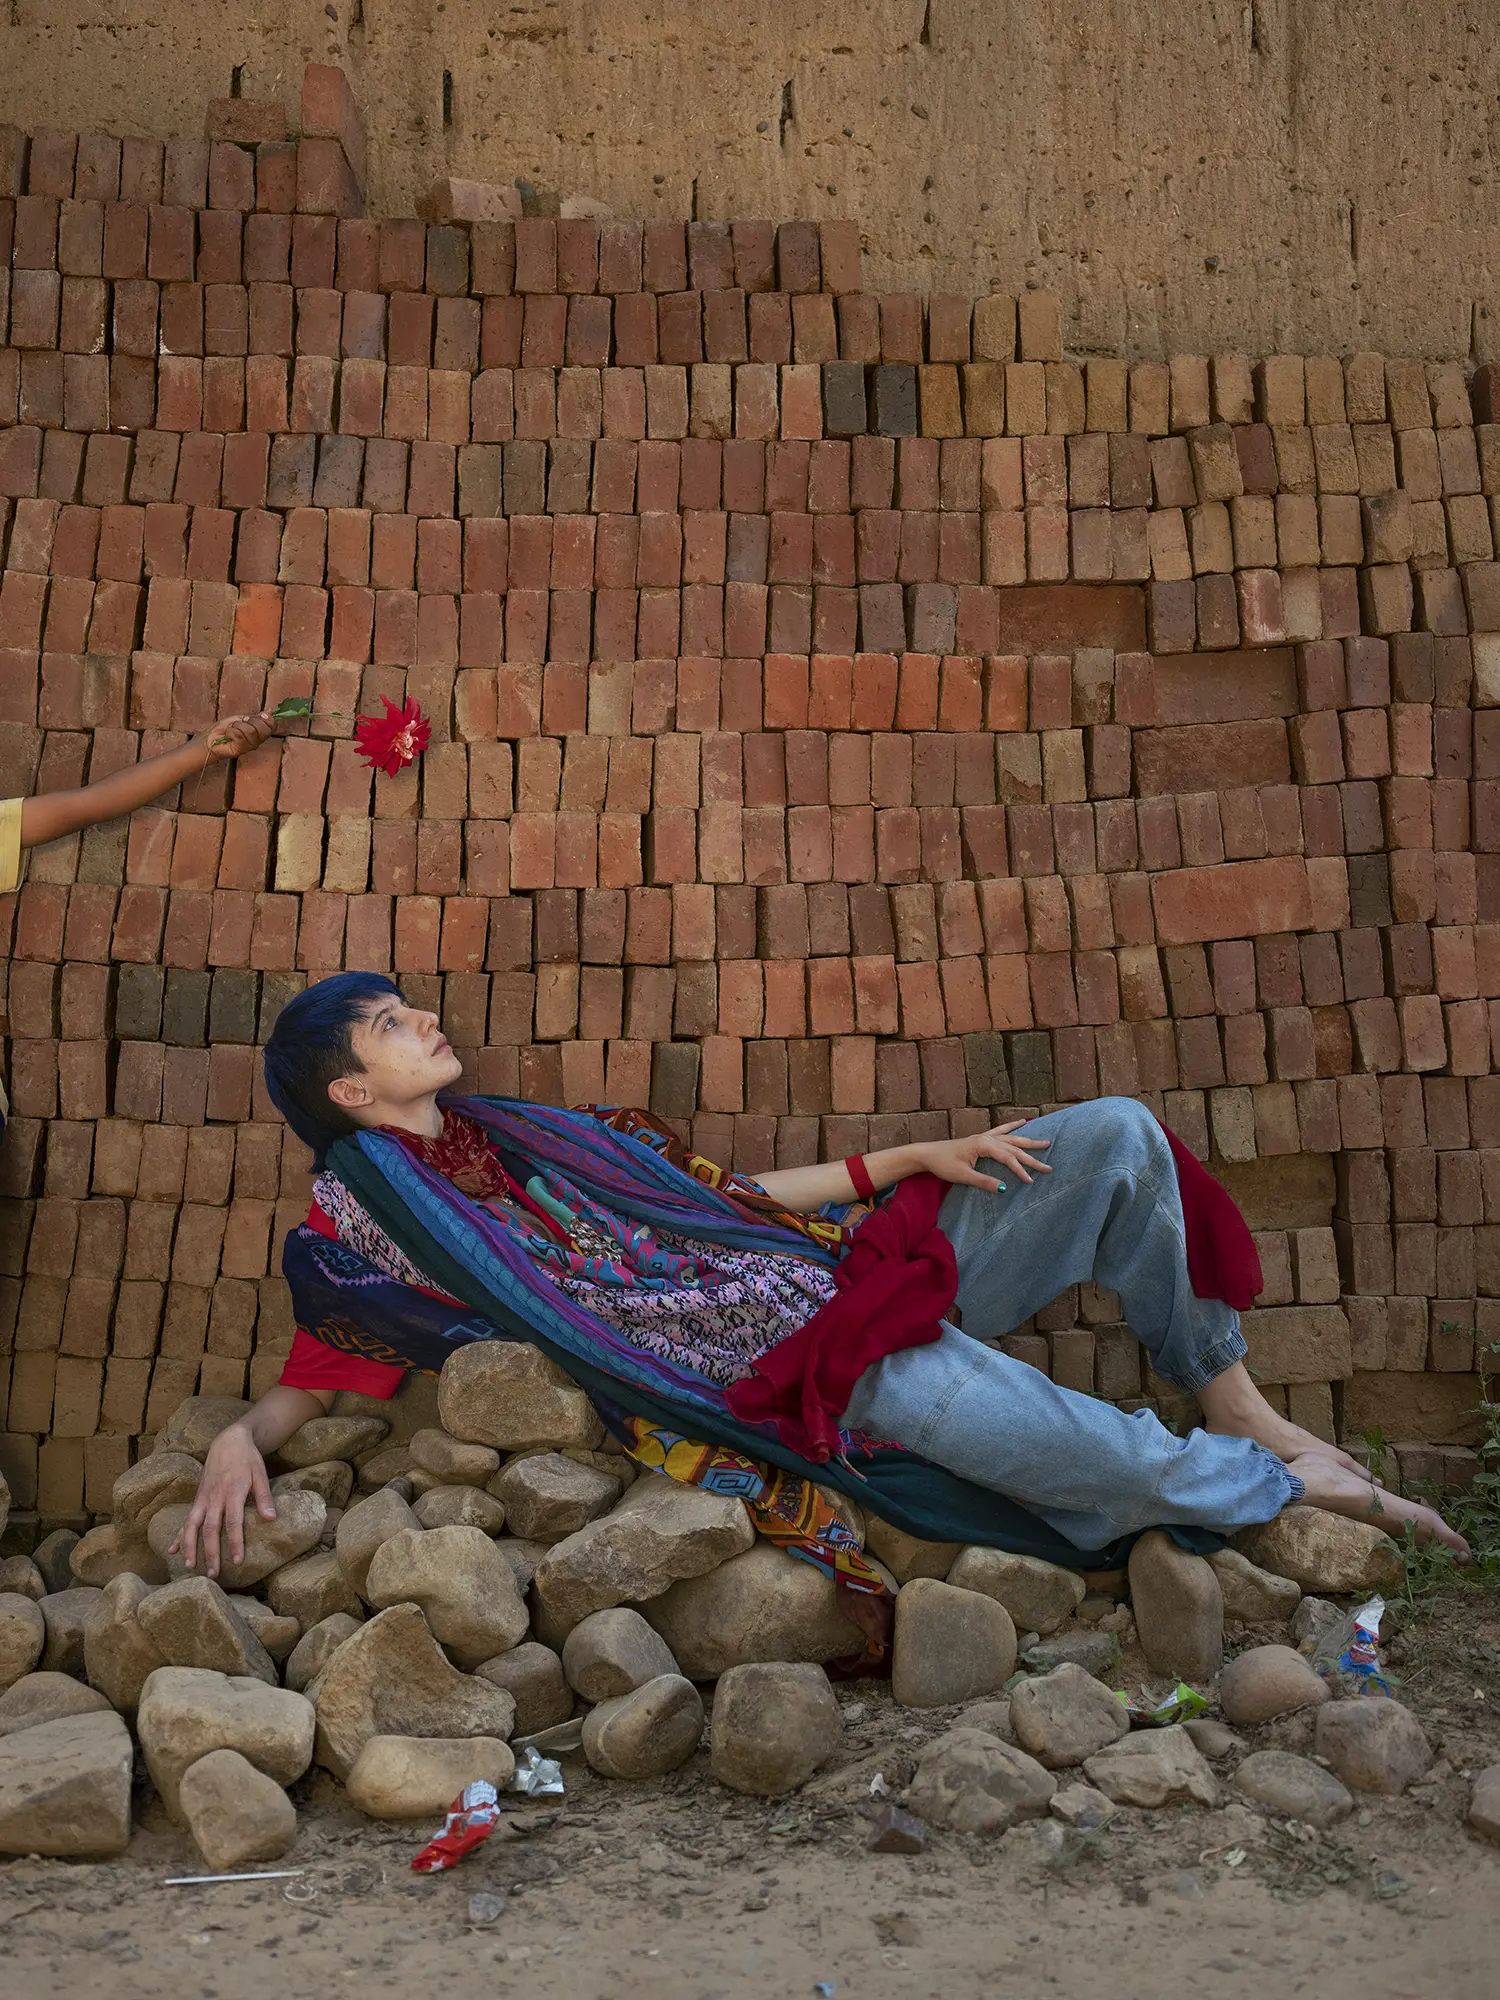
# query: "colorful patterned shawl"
[[626, 1166]]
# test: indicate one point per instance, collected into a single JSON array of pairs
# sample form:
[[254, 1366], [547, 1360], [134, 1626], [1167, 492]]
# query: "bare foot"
[[1287, 1440], [1339, 1492]]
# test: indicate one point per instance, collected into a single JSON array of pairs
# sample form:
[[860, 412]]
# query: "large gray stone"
[[275, 1631], [235, 1813], [452, 1462], [192, 1623], [659, 1533], [37, 1698], [19, 1576], [1065, 1716], [298, 1527], [951, 1645], [65, 1787], [322, 1438], [111, 1550], [313, 1587], [1179, 1609], [460, 1507], [362, 1530], [1253, 1596], [975, 1783], [1038, 1595], [532, 1675], [523, 1557], [1374, 1744], [1281, 1783], [391, 1678], [647, 1732], [1157, 1767], [195, 1423], [774, 1724], [331, 1479], [186, 1711], [907, 1556], [610, 1652], [548, 1497], [762, 1605], [419, 1777], [1484, 1804], [464, 1585], [1323, 1553], [23, 1633], [63, 1613], [506, 1393], [118, 1655], [1268, 1681], [317, 1647], [53, 1556], [164, 1479]]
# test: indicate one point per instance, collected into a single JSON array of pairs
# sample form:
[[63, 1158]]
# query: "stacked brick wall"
[[853, 720]]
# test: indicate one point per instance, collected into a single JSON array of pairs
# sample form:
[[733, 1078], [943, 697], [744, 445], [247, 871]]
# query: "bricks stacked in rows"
[[852, 718]]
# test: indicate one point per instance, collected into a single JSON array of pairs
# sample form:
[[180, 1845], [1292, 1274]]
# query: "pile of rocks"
[[440, 1582]]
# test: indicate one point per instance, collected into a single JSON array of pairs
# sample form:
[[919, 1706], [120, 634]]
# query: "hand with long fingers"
[[972, 1162], [233, 1474]]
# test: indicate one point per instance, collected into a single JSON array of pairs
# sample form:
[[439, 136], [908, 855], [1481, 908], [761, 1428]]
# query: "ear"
[[350, 1093]]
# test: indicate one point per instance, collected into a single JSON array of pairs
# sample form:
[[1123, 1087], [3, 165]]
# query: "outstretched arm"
[[59, 813], [235, 1471], [803, 1189]]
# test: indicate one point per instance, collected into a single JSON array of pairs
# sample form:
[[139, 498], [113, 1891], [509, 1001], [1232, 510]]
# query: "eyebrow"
[[382, 1013]]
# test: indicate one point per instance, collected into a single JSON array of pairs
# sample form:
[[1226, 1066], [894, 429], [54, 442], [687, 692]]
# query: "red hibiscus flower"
[[391, 741]]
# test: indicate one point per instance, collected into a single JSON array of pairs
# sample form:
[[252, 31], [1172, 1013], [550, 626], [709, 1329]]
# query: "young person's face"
[[406, 1059]]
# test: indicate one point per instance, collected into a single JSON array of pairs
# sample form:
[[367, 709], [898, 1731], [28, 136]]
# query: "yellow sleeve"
[[12, 854]]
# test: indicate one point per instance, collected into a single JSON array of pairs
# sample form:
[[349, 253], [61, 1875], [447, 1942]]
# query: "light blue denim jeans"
[[1109, 1211]]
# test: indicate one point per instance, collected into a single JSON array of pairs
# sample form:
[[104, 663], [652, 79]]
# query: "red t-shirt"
[[313, 1364]]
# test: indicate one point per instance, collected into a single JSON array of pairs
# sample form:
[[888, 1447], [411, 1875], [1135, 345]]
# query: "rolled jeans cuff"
[[1207, 1366], [1296, 1492]]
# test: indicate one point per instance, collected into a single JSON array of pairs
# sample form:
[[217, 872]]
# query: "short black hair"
[[312, 1044]]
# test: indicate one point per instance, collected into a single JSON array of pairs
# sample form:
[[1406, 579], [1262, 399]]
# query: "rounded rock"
[[1158, 1767], [908, 1556], [1323, 1553], [195, 1423], [1179, 1609], [391, 1678], [1253, 1596], [65, 1787], [1038, 1595], [185, 1712], [38, 1698], [610, 1652], [1374, 1744], [322, 1438], [1295, 1786], [974, 1783], [548, 1497], [774, 1724], [1484, 1804], [645, 1733], [1269, 1681], [317, 1647], [951, 1645], [23, 1633], [506, 1393], [460, 1507], [362, 1530], [330, 1478], [64, 1613], [463, 1584], [269, 1545], [419, 1777], [450, 1461], [20, 1576], [236, 1814], [1062, 1717], [532, 1675], [118, 1655]]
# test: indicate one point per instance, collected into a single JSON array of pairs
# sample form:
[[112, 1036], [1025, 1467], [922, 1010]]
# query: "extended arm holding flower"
[[966, 1162], [57, 813]]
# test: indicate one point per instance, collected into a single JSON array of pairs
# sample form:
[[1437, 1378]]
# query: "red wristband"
[[859, 1173]]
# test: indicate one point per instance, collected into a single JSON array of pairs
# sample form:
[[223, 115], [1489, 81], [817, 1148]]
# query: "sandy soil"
[[683, 1891]]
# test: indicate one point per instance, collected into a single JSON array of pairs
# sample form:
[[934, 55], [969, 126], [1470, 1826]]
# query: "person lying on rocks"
[[797, 1321], [32, 822]]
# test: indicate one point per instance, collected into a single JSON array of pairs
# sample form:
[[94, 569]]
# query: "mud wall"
[[1188, 177]]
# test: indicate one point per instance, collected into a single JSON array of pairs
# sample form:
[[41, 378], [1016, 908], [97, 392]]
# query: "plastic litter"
[[471, 1820], [1348, 1652], [561, 1737], [825, 1988], [538, 1777], [1181, 1705], [879, 1789], [258, 1875]]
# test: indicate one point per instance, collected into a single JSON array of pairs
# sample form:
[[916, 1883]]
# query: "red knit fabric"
[[896, 1282], [1222, 1259]]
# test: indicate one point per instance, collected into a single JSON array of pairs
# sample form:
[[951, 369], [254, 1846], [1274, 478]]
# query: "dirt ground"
[[684, 1891]]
